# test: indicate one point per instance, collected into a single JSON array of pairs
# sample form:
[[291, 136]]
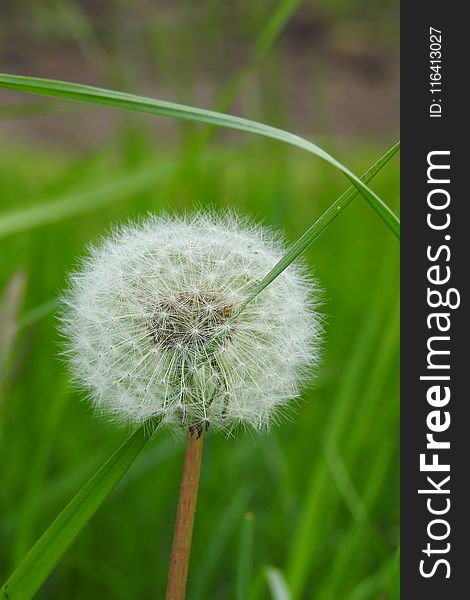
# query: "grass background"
[[323, 487]]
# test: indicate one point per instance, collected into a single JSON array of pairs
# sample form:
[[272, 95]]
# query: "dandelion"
[[155, 330], [164, 323]]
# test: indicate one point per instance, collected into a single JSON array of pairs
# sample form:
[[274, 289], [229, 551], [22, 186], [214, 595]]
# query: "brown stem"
[[183, 534]]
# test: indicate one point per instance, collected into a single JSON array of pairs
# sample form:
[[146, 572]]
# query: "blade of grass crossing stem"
[[308, 238], [274, 26], [103, 97], [61, 488], [320, 225], [199, 140], [36, 481], [245, 558], [277, 584], [46, 553], [36, 313]]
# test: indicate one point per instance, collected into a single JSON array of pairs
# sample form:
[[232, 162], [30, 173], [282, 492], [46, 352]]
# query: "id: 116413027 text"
[[435, 75]]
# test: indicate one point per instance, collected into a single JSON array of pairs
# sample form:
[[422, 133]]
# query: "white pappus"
[[153, 329]]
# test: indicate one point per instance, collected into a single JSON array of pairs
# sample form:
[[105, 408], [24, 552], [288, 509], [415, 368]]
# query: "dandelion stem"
[[178, 571]]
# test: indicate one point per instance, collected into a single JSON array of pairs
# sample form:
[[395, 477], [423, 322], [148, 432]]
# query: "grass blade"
[[320, 225], [46, 553], [38, 312], [245, 558], [308, 237], [266, 39], [114, 99], [78, 203], [11, 301], [274, 26], [277, 584], [315, 517]]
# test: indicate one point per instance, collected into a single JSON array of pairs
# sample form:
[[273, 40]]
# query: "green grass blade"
[[84, 201], [36, 481], [320, 225], [277, 584], [61, 488], [361, 532], [314, 520], [274, 26], [78, 203], [46, 553], [309, 236], [268, 36], [245, 558], [217, 547], [11, 301], [114, 99], [38, 312]]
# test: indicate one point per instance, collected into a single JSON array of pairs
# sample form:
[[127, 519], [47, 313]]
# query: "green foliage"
[[245, 557], [323, 487], [320, 491], [43, 556], [115, 99]]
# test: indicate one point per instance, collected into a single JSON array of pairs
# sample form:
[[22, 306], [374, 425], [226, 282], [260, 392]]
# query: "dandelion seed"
[[143, 312]]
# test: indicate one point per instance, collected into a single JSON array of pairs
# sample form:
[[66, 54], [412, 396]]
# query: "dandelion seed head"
[[153, 325]]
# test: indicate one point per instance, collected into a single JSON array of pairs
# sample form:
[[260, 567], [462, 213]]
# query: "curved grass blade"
[[266, 39], [114, 99], [46, 553], [28, 218], [320, 225], [312, 233], [268, 36]]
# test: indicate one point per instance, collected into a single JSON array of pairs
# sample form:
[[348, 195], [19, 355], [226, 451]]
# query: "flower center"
[[188, 320]]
